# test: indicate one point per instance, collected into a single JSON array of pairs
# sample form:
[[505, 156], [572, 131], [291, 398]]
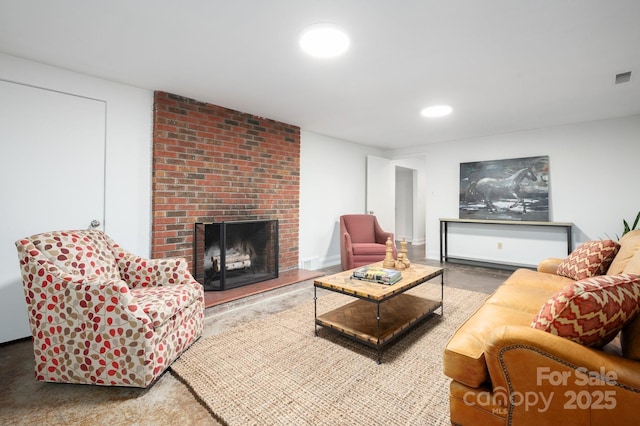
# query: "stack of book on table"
[[377, 274]]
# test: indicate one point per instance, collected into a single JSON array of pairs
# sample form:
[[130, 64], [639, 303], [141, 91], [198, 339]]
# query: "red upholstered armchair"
[[362, 240]]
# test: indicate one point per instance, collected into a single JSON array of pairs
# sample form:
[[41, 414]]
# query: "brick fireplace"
[[214, 164]]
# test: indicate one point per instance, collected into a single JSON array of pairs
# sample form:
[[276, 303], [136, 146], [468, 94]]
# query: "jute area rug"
[[274, 371]]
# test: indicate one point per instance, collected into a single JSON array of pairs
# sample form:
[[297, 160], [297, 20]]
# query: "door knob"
[[95, 223]]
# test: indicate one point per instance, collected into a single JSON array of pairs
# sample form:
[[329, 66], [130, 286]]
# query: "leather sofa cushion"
[[515, 302], [629, 245], [540, 280], [522, 298], [463, 358], [363, 249]]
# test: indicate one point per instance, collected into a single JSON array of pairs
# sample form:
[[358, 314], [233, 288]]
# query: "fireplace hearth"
[[233, 254]]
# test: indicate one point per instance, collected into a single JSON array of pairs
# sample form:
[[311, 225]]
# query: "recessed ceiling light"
[[435, 111], [324, 40]]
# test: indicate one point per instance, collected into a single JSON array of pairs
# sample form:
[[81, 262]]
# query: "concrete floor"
[[23, 400]]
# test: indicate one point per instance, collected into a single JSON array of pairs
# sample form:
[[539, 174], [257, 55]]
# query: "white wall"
[[332, 183], [127, 214], [593, 175], [129, 136]]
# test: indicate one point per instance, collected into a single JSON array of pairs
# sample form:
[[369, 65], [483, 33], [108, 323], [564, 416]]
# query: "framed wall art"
[[511, 189]]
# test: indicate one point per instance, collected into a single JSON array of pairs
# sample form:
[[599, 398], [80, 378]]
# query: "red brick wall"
[[213, 164]]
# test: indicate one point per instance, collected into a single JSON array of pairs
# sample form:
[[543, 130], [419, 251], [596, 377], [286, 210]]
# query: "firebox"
[[233, 254]]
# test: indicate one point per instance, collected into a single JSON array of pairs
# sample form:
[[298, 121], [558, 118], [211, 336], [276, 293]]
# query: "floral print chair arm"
[[139, 272]]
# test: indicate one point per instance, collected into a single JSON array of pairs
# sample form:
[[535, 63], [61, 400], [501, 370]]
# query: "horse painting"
[[492, 189]]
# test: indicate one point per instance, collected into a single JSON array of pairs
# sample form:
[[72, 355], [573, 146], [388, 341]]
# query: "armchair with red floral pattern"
[[101, 315]]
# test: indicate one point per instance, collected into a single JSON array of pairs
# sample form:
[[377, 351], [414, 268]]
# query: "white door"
[[381, 191], [51, 178]]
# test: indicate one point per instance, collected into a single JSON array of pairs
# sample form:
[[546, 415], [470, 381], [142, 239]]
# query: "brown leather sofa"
[[504, 372]]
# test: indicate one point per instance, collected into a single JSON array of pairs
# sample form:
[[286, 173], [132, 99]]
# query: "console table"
[[444, 256]]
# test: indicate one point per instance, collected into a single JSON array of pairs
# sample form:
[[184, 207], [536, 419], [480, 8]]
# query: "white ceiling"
[[504, 65]]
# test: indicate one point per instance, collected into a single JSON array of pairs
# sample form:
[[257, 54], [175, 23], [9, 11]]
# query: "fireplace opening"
[[233, 254]]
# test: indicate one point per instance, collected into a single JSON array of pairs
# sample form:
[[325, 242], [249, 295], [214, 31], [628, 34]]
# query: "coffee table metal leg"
[[315, 310], [378, 343], [442, 293]]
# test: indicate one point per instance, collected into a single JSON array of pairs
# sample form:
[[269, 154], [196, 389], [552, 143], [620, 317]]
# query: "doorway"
[[404, 203]]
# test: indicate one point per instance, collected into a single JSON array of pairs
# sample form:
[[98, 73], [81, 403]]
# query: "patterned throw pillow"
[[593, 310], [590, 259]]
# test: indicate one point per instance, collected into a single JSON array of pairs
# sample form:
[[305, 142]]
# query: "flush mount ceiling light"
[[324, 40], [436, 111]]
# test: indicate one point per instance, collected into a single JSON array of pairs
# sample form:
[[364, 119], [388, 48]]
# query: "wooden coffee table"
[[382, 313]]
